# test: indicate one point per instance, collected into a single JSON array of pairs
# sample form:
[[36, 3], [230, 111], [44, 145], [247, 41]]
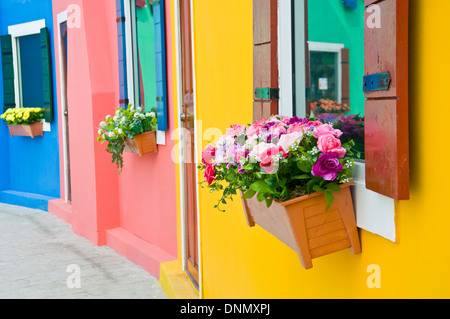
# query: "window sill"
[[374, 212]]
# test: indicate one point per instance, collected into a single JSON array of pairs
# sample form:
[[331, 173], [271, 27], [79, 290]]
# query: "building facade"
[[199, 68]]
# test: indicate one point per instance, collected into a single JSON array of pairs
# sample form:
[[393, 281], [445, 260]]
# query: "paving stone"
[[37, 250]]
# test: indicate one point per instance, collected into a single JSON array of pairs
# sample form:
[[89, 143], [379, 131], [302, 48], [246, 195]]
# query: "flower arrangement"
[[126, 123], [279, 158], [329, 106], [23, 115]]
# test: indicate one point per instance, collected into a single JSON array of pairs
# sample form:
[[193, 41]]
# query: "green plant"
[[23, 115], [126, 123]]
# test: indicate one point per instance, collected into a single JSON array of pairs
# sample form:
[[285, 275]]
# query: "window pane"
[[145, 78], [334, 65], [324, 82], [30, 71]]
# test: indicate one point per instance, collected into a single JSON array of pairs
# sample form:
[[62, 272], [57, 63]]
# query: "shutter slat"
[[8, 72], [160, 61], [47, 75], [386, 113], [265, 55]]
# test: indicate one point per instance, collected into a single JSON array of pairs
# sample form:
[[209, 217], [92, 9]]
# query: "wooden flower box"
[[142, 144], [32, 130], [304, 225]]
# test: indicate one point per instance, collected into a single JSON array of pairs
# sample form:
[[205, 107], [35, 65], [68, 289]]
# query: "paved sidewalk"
[[41, 258]]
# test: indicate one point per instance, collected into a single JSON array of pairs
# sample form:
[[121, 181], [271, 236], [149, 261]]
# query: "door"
[[189, 165], [62, 32]]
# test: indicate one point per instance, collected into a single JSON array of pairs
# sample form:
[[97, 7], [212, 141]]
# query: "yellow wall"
[[242, 262]]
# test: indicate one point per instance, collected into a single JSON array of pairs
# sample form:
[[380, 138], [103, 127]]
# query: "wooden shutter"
[[47, 75], [345, 76], [8, 72], [161, 74], [386, 113], [120, 19], [265, 58]]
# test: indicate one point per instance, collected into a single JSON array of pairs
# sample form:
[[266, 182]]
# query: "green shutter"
[[8, 72], [47, 75]]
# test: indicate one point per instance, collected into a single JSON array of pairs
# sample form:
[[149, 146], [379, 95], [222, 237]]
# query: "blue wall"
[[31, 174]]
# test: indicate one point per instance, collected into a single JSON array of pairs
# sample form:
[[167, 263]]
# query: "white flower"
[[152, 114], [139, 109], [102, 124], [115, 118], [120, 131], [108, 116], [111, 134], [100, 131]]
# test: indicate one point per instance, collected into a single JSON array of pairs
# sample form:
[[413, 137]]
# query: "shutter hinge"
[[377, 82], [267, 94]]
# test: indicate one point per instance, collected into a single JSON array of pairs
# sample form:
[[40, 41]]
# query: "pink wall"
[[147, 185], [136, 212]]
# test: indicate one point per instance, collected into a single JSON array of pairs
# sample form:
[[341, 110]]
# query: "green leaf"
[[271, 181], [304, 176], [231, 177], [333, 187], [318, 189], [260, 197], [260, 186], [330, 198], [248, 167], [269, 202], [249, 194], [310, 185], [304, 166]]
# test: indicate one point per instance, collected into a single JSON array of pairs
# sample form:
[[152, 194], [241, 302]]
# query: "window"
[[142, 57], [27, 77], [326, 40]]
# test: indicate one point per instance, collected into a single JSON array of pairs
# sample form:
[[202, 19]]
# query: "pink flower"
[[327, 143], [208, 154], [278, 129], [297, 127], [254, 129], [235, 130], [267, 156], [286, 120], [210, 174], [314, 123], [326, 129]]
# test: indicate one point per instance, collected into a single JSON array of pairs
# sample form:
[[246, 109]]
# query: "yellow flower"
[[26, 116]]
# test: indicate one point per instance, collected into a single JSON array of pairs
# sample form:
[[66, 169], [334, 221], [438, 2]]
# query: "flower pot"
[[304, 225], [142, 143], [31, 130]]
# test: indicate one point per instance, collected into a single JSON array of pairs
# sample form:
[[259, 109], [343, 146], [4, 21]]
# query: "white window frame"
[[16, 31], [131, 48], [333, 48], [374, 212]]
